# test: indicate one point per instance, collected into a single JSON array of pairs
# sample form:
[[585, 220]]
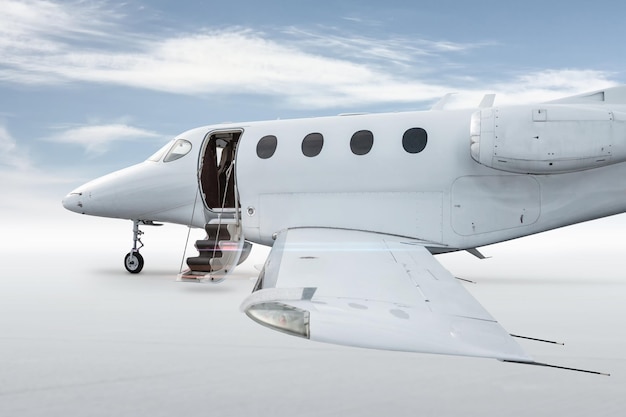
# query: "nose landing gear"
[[133, 261]]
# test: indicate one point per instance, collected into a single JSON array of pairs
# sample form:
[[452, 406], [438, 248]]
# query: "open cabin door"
[[221, 249], [216, 172]]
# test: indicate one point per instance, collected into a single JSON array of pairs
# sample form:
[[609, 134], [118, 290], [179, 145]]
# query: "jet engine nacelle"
[[547, 139]]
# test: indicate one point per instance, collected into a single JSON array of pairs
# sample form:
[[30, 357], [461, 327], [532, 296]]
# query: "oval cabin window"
[[266, 146], [312, 144], [414, 140], [361, 142]]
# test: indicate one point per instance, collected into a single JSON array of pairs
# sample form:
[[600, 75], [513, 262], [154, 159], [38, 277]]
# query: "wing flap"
[[372, 290]]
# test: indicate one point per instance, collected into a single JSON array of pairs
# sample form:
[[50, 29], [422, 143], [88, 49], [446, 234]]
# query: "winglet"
[[487, 101]]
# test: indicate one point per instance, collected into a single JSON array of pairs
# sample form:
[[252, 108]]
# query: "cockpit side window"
[[179, 149], [156, 157]]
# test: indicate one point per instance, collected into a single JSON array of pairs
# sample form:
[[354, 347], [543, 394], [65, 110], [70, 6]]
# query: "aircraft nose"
[[73, 202]]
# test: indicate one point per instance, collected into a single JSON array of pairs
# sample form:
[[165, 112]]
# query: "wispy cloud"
[[552, 84], [11, 157], [392, 49], [362, 21], [43, 25], [96, 139], [533, 87], [239, 61], [69, 42]]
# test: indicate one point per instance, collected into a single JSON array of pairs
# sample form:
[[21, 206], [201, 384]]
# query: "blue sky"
[[87, 87]]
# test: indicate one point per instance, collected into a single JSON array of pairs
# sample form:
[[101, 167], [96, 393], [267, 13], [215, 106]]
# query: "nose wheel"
[[133, 262]]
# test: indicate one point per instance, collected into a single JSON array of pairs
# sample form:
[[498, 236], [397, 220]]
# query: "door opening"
[[224, 245], [217, 171]]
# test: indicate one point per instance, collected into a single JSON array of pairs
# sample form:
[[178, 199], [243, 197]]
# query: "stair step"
[[220, 220], [200, 263], [216, 232], [209, 253], [198, 277], [208, 248], [219, 252], [231, 210], [190, 276]]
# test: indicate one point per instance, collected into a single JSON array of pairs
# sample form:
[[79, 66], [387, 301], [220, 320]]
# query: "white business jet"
[[355, 207]]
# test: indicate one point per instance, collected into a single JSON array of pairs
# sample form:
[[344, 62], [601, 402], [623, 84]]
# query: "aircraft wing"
[[372, 290]]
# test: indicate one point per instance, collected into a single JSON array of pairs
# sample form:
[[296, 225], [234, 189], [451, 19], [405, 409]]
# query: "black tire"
[[133, 262]]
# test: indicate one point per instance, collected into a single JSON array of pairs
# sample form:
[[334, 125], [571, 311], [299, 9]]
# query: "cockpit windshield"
[[173, 150], [156, 157], [179, 149]]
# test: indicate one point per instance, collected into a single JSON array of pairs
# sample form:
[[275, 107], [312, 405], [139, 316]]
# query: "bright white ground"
[[81, 337]]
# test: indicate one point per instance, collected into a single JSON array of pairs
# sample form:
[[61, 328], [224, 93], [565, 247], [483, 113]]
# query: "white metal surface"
[[377, 291]]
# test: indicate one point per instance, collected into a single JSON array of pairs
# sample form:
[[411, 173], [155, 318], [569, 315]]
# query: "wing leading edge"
[[372, 290]]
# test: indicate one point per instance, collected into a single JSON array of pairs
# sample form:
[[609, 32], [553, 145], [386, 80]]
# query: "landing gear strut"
[[133, 261]]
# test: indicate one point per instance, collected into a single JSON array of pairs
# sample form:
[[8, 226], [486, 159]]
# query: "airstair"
[[219, 251]]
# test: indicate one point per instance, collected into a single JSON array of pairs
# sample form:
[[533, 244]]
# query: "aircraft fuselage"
[[438, 194]]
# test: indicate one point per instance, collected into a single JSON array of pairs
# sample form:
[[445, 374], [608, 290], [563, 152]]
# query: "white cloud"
[[10, 156], [534, 87], [97, 138], [69, 43], [41, 24], [552, 84], [390, 50], [233, 62]]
